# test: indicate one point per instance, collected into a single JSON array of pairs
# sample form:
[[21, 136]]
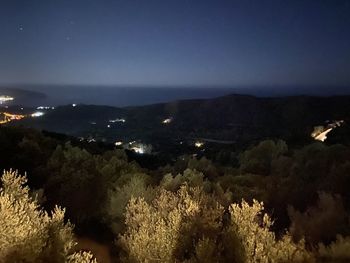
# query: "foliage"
[[258, 242], [321, 222], [188, 226], [258, 159], [338, 251], [76, 174], [193, 178], [135, 185], [29, 234], [174, 227]]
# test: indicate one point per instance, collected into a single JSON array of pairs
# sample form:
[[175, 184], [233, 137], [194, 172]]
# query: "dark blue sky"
[[179, 42]]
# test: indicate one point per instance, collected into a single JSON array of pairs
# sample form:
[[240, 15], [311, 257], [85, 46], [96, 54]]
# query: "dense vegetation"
[[271, 202]]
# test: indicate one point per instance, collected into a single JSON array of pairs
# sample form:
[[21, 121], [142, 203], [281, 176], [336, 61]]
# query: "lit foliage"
[[338, 251], [321, 222], [135, 185], [29, 234], [193, 178], [189, 226], [258, 242], [172, 227]]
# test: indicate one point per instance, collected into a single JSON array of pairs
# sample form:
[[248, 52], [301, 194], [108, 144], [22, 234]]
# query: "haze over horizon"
[[176, 43]]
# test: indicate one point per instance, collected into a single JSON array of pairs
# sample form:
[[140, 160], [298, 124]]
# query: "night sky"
[[175, 43]]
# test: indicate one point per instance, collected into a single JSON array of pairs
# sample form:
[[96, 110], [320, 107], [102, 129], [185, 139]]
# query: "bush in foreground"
[[191, 226], [29, 234]]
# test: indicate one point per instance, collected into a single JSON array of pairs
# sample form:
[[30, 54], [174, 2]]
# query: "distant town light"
[[138, 149], [45, 108], [37, 114], [4, 98], [118, 143], [74, 105], [117, 120], [199, 144], [108, 126], [8, 117], [167, 121]]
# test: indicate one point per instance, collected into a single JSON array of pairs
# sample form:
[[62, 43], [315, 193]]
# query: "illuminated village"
[[7, 117]]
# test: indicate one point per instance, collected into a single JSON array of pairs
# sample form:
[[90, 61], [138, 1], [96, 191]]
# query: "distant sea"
[[133, 96]]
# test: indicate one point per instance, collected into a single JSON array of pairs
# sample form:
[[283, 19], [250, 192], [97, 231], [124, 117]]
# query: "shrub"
[[29, 234], [175, 227], [338, 251], [191, 226], [257, 242], [136, 185], [319, 223]]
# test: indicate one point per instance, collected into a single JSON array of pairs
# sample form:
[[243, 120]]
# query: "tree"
[[175, 227], [29, 234], [258, 159], [134, 186], [80, 181], [191, 226], [257, 242]]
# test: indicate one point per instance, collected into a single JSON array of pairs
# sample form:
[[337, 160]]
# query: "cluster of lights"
[[117, 120], [5, 99], [118, 143], [45, 108], [11, 117]]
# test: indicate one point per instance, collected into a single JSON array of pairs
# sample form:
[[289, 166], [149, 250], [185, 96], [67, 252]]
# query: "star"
[[68, 38], [21, 28]]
